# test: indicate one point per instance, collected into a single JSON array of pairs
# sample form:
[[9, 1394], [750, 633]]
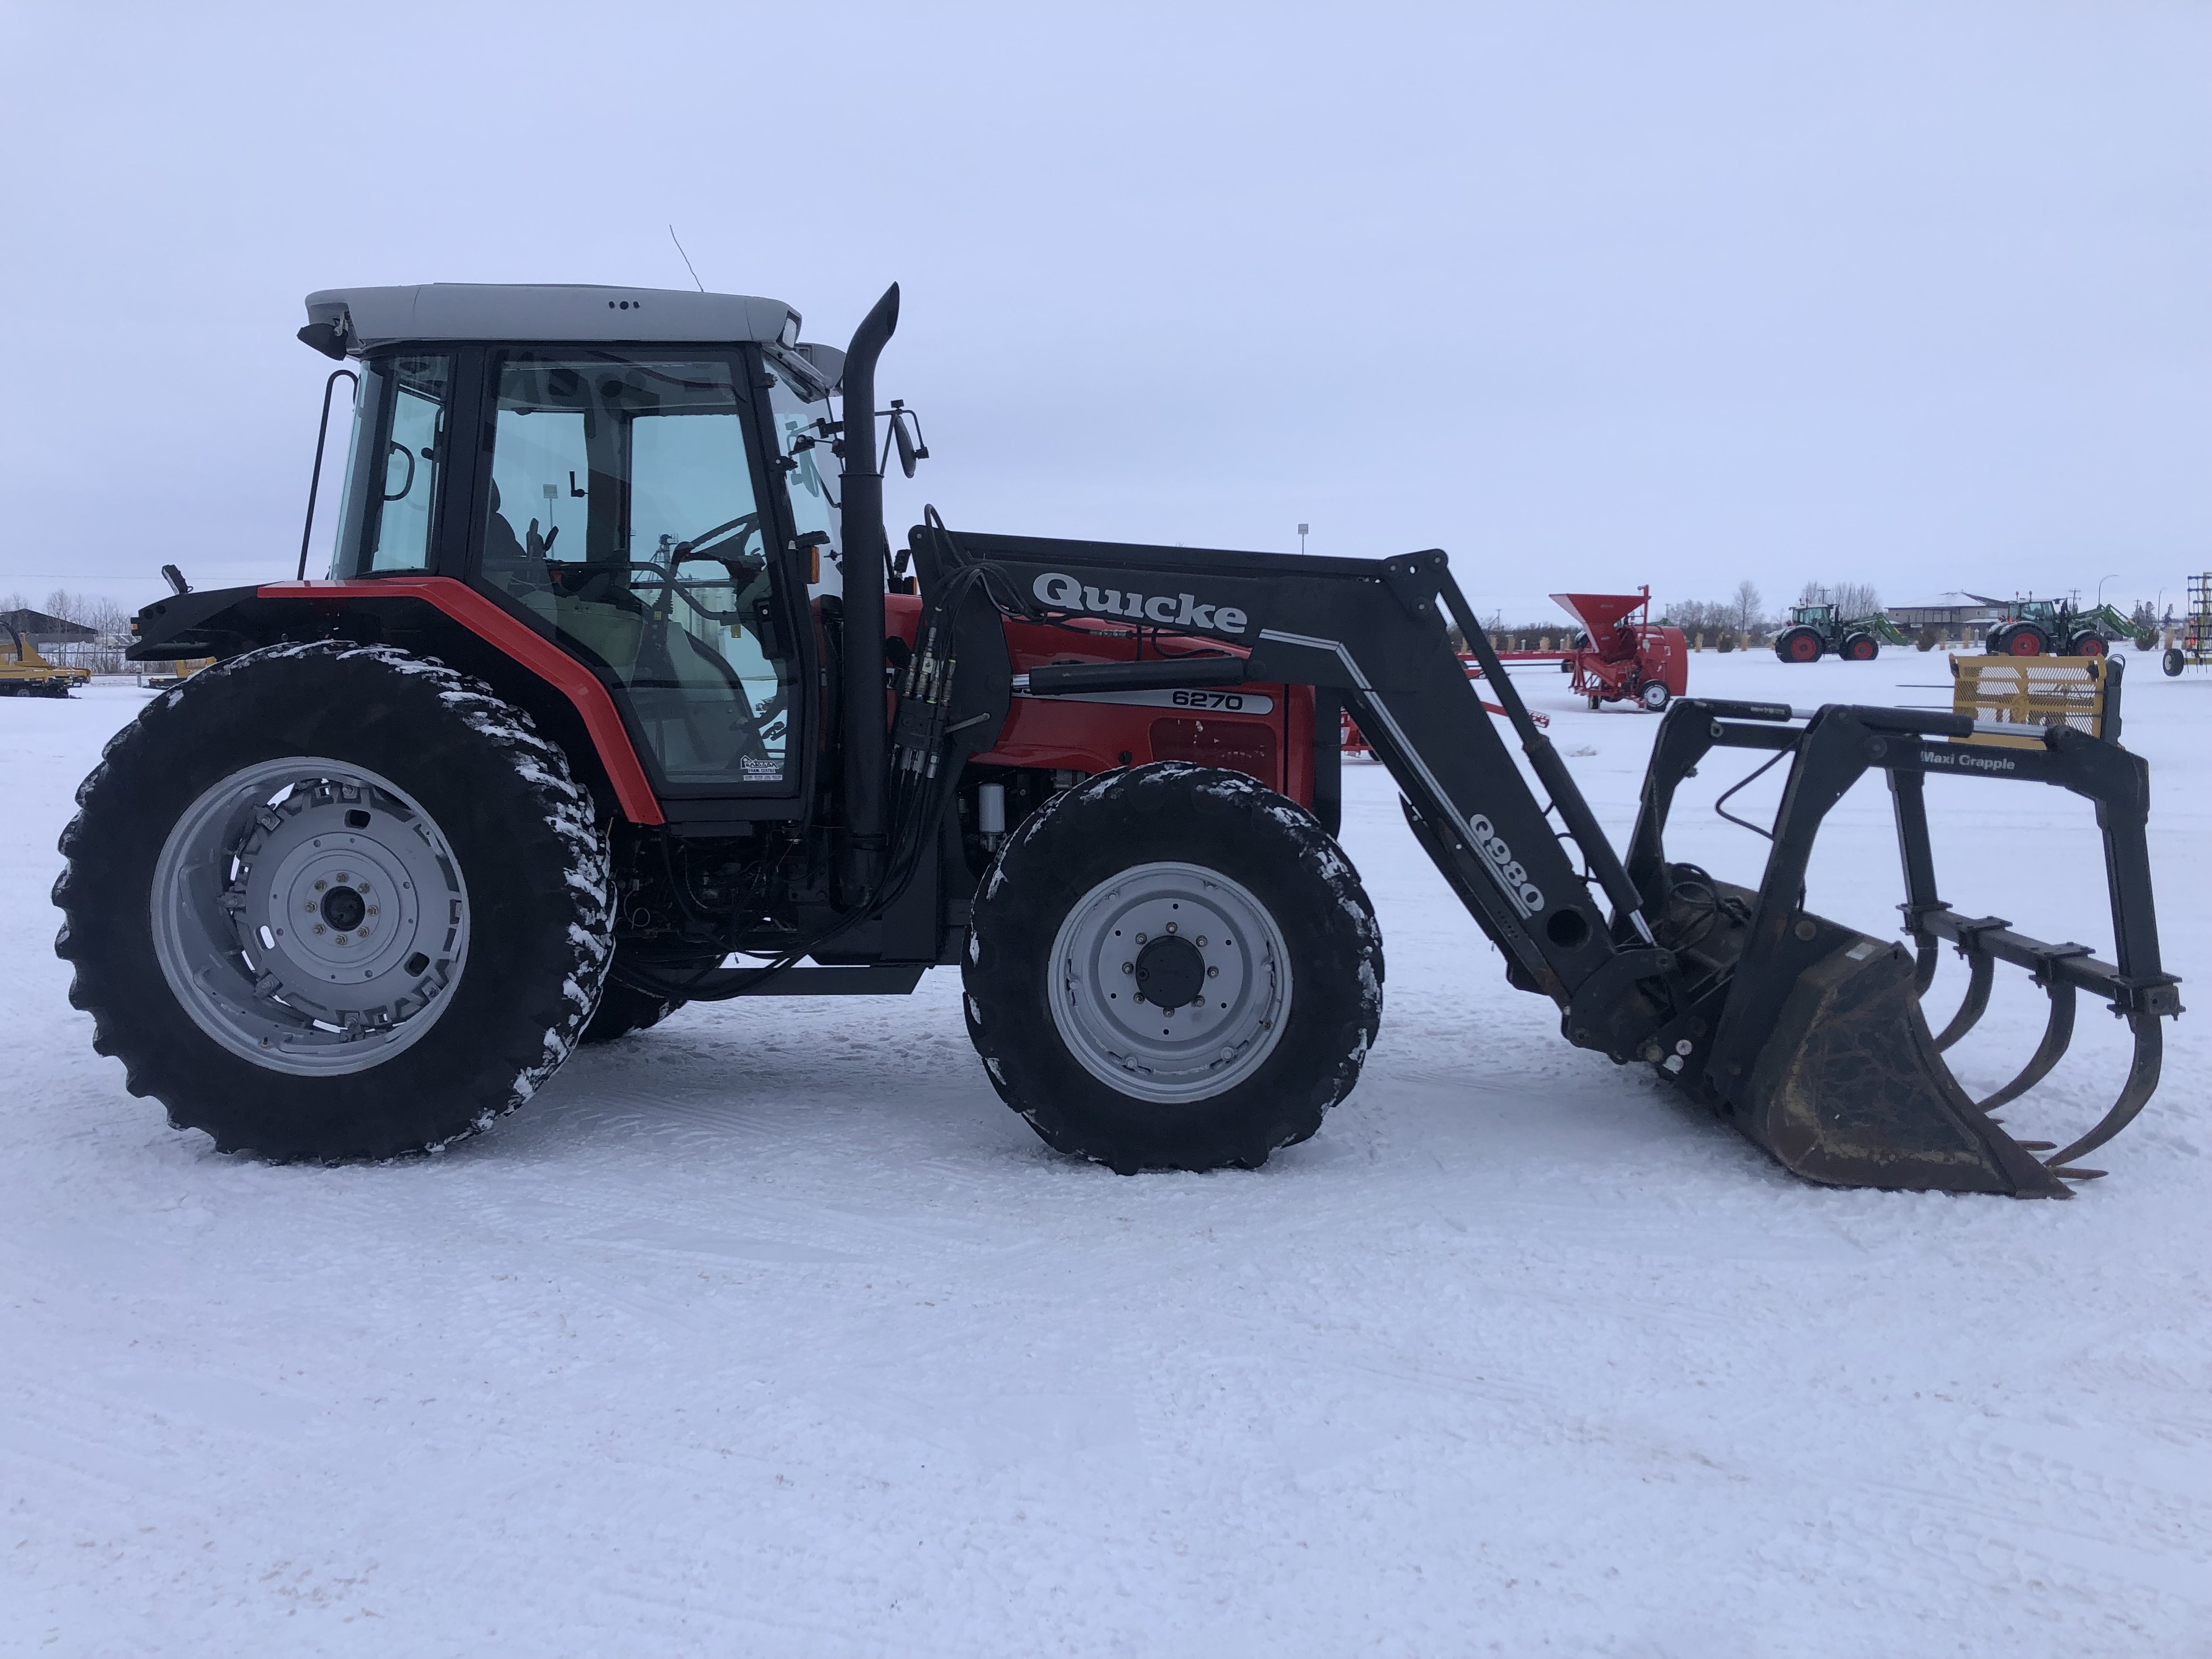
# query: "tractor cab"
[[643, 488], [1813, 616]]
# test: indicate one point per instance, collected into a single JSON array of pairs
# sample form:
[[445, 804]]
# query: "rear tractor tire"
[[1799, 645], [1172, 967], [331, 902]]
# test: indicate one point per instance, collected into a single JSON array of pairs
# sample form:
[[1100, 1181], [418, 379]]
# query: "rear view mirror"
[[910, 446]]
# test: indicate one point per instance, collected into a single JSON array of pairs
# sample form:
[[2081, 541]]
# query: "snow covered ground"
[[771, 1331]]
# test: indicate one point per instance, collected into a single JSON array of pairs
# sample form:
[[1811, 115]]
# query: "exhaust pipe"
[[867, 553]]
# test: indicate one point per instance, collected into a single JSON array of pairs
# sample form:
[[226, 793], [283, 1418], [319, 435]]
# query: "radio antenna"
[[696, 283]]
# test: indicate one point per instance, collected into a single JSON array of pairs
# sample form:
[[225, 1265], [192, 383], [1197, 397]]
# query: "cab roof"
[[364, 318]]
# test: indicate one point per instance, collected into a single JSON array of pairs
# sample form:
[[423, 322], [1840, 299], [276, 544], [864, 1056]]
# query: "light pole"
[[1301, 539], [2102, 580]]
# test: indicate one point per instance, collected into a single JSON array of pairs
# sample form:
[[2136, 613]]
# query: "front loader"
[[615, 699]]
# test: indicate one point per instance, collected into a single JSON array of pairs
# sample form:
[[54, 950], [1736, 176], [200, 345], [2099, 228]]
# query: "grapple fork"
[[1810, 1035]]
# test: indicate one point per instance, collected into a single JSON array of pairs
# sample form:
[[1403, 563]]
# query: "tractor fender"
[[434, 616], [519, 644]]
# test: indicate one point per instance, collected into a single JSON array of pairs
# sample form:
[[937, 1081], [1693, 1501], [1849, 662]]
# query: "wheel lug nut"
[[1171, 927], [1140, 939], [1213, 972], [320, 885], [320, 928], [1128, 967], [1201, 941]]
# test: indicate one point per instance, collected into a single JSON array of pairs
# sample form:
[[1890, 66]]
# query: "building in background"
[[1958, 618], [44, 631]]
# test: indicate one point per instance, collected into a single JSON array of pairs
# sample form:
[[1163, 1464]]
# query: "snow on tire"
[[329, 901], [1172, 967]]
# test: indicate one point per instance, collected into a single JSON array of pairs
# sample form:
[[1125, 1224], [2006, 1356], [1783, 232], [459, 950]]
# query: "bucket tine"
[[2058, 1032], [1981, 968], [1926, 951], [2142, 1082]]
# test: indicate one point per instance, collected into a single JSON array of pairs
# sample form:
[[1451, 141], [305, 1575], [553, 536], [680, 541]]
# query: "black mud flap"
[[1850, 1090]]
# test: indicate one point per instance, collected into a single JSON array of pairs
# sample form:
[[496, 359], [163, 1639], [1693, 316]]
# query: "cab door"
[[625, 514]]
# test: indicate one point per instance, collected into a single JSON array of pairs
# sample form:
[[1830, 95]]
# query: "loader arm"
[[1375, 632]]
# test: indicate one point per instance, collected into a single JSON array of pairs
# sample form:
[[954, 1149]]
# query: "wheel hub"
[[1172, 982], [309, 915], [1170, 972]]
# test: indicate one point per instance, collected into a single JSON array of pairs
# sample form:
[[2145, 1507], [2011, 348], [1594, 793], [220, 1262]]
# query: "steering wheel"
[[740, 570], [645, 577], [702, 545]]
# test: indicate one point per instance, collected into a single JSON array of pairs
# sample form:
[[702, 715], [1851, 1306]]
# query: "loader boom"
[[1374, 631]]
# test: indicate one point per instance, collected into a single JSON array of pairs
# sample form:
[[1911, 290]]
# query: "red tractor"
[[575, 730]]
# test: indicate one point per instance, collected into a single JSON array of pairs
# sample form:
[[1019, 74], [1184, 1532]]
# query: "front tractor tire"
[[332, 902], [1861, 647], [1172, 967]]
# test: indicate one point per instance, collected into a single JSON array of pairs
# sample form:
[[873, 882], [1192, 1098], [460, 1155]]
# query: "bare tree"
[[1747, 610], [110, 624], [1851, 599]]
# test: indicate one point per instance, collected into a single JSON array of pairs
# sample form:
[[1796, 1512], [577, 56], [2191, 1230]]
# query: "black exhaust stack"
[[867, 552]]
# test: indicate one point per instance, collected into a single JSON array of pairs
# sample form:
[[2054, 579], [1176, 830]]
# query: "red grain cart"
[[1629, 659]]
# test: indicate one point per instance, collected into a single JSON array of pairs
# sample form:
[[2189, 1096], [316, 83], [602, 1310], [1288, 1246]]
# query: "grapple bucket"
[[1810, 1037]]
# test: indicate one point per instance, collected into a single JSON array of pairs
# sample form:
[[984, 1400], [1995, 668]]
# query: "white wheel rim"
[[310, 917], [1169, 915]]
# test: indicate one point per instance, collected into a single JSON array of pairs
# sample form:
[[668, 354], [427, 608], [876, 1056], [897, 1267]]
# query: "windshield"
[[811, 481]]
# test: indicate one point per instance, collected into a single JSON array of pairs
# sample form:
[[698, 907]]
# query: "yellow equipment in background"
[[179, 671], [27, 674], [2037, 692]]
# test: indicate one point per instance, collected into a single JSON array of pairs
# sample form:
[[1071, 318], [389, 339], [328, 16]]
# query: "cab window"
[[623, 514], [395, 465]]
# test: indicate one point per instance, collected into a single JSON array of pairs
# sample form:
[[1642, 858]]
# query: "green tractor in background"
[[1816, 630], [2053, 628]]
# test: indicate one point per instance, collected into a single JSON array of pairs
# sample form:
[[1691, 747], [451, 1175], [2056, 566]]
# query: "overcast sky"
[[1589, 296]]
